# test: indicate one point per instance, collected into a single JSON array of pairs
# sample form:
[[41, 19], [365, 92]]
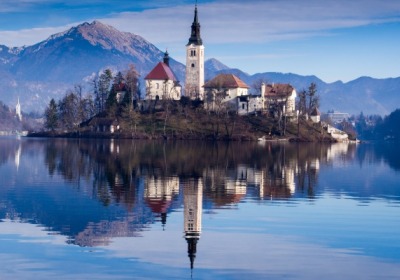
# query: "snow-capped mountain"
[[69, 56]]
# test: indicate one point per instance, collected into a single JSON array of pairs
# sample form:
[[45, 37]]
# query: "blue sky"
[[332, 39]]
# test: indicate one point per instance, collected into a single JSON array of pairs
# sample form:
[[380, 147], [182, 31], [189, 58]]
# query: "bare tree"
[[132, 82], [256, 85], [308, 100]]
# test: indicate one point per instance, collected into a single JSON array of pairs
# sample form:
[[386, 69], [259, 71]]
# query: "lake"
[[113, 209]]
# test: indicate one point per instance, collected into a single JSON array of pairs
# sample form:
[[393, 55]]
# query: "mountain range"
[[49, 68]]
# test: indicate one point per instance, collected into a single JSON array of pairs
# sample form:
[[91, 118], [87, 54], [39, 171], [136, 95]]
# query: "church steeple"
[[195, 37], [194, 80], [166, 57], [192, 248]]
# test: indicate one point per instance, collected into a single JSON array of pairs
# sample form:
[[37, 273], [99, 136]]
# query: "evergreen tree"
[[104, 87], [51, 116], [119, 78]]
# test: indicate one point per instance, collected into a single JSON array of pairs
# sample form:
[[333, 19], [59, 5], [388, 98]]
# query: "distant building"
[[279, 97], [195, 62], [161, 82], [338, 117], [224, 88]]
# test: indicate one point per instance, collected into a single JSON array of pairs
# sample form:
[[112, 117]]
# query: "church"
[[161, 83]]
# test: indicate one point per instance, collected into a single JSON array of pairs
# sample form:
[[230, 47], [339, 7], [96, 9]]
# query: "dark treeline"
[[377, 128], [76, 107]]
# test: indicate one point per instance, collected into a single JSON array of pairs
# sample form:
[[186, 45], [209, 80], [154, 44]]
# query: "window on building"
[[192, 65]]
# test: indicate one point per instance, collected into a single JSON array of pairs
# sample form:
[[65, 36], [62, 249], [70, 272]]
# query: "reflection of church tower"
[[18, 156], [195, 62], [193, 207]]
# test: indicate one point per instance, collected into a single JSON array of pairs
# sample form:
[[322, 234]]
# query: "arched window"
[[192, 65]]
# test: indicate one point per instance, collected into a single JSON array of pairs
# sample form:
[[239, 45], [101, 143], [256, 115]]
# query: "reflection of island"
[[120, 187]]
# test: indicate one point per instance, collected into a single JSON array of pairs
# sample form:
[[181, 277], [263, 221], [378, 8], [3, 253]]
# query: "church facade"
[[161, 82]]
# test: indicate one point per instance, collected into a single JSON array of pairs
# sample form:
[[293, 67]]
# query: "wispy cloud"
[[26, 37], [245, 34], [257, 21], [226, 21]]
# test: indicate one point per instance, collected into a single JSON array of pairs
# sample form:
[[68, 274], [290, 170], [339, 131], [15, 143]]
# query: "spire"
[[166, 57], [18, 110], [163, 220], [192, 248], [195, 35]]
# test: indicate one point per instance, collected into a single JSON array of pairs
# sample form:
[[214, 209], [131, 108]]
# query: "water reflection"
[[95, 190]]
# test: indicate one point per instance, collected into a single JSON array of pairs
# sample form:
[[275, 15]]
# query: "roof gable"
[[278, 90], [315, 112], [161, 72], [226, 81], [120, 87]]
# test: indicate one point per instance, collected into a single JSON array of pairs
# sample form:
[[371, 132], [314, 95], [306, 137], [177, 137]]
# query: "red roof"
[[315, 112], [120, 87], [278, 90], [161, 72], [226, 81], [158, 205]]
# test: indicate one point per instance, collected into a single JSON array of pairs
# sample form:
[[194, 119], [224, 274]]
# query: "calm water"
[[75, 209]]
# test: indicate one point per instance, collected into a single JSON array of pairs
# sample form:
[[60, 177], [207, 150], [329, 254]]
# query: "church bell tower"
[[195, 62]]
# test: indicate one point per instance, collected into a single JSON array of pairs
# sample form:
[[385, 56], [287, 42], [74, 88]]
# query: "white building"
[[279, 96], [161, 82], [338, 117], [224, 90], [195, 62]]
